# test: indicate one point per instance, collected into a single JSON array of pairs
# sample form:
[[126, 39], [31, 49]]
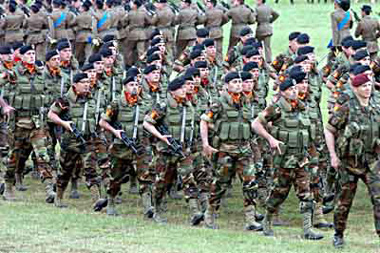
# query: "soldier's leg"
[[141, 49], [219, 48], [90, 171], [4, 151], [223, 173], [267, 49], [80, 52], [40, 51], [130, 50], [245, 167], [372, 180], [203, 177], [233, 42]]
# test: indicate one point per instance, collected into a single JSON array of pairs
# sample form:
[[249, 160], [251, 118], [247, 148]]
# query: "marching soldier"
[[68, 64], [341, 22], [13, 24], [84, 32], [265, 16], [369, 29], [61, 22]]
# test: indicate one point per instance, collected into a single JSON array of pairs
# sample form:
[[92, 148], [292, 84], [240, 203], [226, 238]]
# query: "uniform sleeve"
[[57, 106], [338, 117], [156, 114], [275, 16], [358, 30], [212, 114], [252, 17], [334, 28], [111, 112], [269, 114]]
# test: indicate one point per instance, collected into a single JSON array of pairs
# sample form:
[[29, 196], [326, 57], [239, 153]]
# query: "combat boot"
[[308, 232], [203, 201], [338, 241], [250, 219], [174, 194], [2, 188], [59, 197], [319, 220], [19, 184], [146, 198], [209, 218], [95, 193], [50, 193], [196, 214], [9, 192], [267, 224], [111, 208], [74, 194], [159, 212], [133, 188]]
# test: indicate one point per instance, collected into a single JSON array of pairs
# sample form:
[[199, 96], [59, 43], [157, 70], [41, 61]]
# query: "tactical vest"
[[28, 94], [361, 133], [293, 129], [77, 110], [55, 87], [234, 124]]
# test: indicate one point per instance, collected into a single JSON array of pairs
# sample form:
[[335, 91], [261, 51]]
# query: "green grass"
[[30, 225]]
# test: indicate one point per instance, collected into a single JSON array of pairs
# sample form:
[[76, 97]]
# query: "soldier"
[[13, 24], [291, 141], [231, 122], [68, 64], [174, 148], [241, 16], [341, 23], [29, 133], [84, 31], [215, 18], [353, 152], [187, 19], [234, 56], [75, 112], [369, 29], [265, 16], [33, 29], [60, 23]]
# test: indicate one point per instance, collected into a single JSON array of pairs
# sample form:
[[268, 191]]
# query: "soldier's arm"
[[55, 110], [207, 118], [334, 28], [252, 17], [358, 30], [150, 121], [275, 16]]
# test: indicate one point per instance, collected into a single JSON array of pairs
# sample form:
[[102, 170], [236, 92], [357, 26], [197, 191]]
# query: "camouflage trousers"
[[26, 141], [349, 182], [4, 145], [202, 169], [165, 164], [71, 157], [123, 164], [284, 178], [227, 165]]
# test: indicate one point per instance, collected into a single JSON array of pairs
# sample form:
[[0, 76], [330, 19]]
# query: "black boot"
[[338, 241]]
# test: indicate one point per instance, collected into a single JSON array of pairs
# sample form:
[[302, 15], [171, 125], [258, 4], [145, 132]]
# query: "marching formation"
[[115, 92]]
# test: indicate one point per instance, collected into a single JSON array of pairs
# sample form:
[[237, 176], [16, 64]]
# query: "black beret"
[[6, 50], [153, 57], [99, 3], [366, 8], [360, 54], [108, 45], [294, 35], [287, 84], [17, 45], [105, 52], [25, 49], [209, 42], [129, 79], [252, 52], [346, 41], [300, 58], [94, 58], [51, 54], [250, 65], [250, 41], [188, 77], [198, 47], [109, 37], [361, 69], [305, 50], [195, 53], [39, 63], [62, 45], [245, 31], [137, 2], [176, 84], [156, 41], [79, 77], [87, 5], [245, 75], [155, 33], [34, 8], [298, 76], [245, 49], [152, 50], [87, 66], [303, 38], [149, 69], [258, 44], [200, 64], [162, 1], [231, 76], [357, 44], [192, 71], [133, 71], [109, 2], [187, 1], [353, 67], [57, 2], [202, 33]]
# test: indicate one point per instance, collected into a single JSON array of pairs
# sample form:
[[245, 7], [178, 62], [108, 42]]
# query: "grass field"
[[30, 225]]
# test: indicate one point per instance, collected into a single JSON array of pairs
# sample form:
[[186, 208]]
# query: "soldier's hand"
[[275, 145], [7, 110], [335, 162], [164, 138], [117, 133], [67, 125], [208, 150]]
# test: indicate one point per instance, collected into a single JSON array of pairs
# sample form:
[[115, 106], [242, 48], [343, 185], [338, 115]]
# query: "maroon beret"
[[360, 79]]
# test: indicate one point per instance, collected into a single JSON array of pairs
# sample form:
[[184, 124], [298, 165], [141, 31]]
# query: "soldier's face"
[[83, 87], [6, 57], [180, 93], [99, 66], [199, 58], [132, 88], [91, 74], [29, 57], [55, 61], [162, 48], [66, 54], [235, 86], [108, 61], [154, 76], [248, 85], [211, 51], [197, 80], [306, 66], [157, 63], [204, 72], [293, 45], [311, 57], [364, 90], [303, 86], [290, 93], [365, 61], [255, 58], [189, 85], [255, 73]]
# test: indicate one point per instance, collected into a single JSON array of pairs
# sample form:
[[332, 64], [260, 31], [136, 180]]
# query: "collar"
[[130, 100]]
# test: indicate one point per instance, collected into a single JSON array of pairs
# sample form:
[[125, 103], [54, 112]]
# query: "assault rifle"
[[175, 145]]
